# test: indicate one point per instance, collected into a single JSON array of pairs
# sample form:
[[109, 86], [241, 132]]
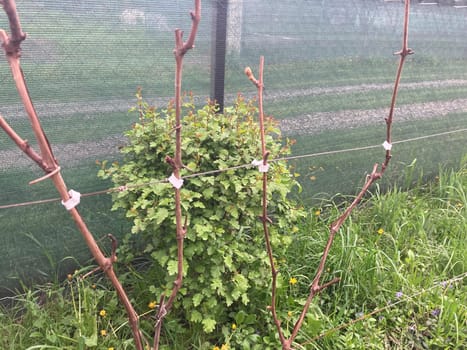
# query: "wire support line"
[[233, 168]]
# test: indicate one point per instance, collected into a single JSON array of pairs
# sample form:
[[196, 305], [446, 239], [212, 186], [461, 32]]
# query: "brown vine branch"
[[374, 176], [11, 44], [181, 48], [264, 217], [316, 286], [46, 160], [22, 144]]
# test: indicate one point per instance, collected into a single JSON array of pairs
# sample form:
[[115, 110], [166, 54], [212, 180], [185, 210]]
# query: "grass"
[[393, 256], [401, 258]]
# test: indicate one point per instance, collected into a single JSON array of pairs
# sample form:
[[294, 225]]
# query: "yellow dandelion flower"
[[380, 231], [152, 305], [289, 313], [318, 212], [293, 281], [103, 332], [234, 326], [102, 313], [216, 348], [225, 347]]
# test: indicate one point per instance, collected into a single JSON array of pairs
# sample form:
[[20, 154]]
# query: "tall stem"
[[48, 163], [180, 50]]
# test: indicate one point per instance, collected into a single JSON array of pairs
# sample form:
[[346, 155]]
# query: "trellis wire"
[[237, 167]]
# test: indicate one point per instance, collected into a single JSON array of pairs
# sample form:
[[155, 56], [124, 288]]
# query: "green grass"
[[421, 246], [401, 258]]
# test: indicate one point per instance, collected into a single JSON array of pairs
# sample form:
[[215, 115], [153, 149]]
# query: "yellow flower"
[[318, 212], [216, 348], [152, 305], [224, 347], [289, 313], [111, 348], [103, 332], [234, 326], [293, 281], [102, 313], [380, 231]]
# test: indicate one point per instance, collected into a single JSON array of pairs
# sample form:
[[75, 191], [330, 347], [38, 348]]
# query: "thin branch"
[[264, 217], [48, 163], [22, 144], [176, 163], [11, 45], [316, 287], [374, 176]]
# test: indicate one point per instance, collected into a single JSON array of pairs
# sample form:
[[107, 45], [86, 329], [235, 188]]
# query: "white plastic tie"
[[387, 146], [176, 182], [74, 200], [263, 168]]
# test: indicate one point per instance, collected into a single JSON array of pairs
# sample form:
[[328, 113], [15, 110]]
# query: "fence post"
[[219, 38]]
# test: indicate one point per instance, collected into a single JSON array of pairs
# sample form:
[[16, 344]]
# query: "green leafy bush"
[[226, 269]]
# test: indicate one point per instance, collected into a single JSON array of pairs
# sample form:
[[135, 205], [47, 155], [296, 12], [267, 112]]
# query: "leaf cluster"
[[226, 269]]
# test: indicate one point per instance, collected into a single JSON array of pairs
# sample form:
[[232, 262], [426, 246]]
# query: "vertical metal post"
[[219, 39]]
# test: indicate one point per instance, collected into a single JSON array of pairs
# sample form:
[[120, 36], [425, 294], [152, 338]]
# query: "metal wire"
[[237, 167]]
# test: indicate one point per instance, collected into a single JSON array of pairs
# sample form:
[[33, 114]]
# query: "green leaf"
[[92, 340], [209, 325], [160, 215], [196, 316], [172, 267], [208, 193], [197, 299]]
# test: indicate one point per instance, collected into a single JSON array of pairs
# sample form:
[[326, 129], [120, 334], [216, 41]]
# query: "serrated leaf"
[[208, 193], [196, 316], [198, 205], [160, 215], [209, 325], [229, 262], [172, 267], [197, 299]]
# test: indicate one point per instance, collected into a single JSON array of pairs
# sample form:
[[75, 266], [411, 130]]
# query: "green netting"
[[329, 74]]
